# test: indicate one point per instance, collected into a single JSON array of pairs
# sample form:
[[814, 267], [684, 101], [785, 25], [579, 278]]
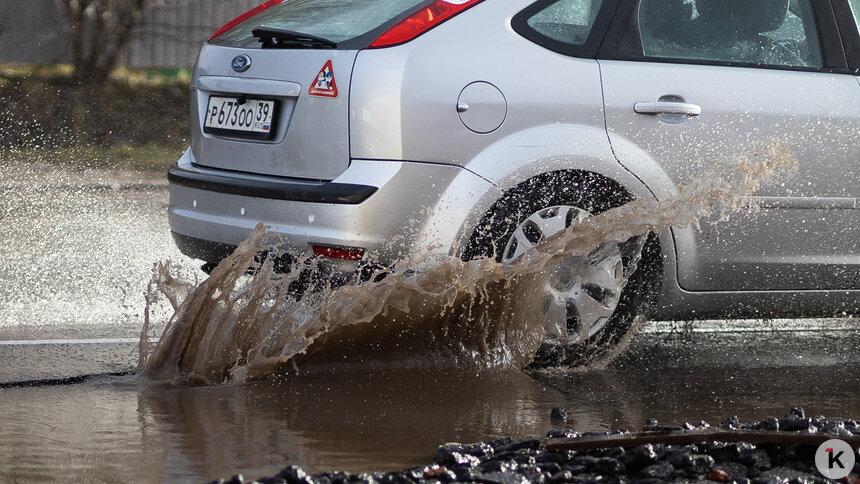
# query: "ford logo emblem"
[[241, 63]]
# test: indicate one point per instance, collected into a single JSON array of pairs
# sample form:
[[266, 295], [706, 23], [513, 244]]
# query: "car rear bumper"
[[206, 250], [382, 207], [330, 192]]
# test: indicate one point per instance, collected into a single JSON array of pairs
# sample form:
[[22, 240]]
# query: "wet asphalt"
[[75, 259], [379, 420]]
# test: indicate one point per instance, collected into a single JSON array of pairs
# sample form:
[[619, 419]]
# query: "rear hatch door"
[[270, 90]]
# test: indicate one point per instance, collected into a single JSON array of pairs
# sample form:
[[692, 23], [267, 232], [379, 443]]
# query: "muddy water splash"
[[438, 310]]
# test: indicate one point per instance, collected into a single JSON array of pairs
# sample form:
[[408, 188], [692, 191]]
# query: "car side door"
[[692, 84], [848, 17]]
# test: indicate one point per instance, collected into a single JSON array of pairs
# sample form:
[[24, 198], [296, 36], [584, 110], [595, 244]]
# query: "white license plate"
[[240, 114]]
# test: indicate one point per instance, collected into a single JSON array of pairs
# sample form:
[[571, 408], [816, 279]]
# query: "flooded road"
[[127, 429], [76, 255]]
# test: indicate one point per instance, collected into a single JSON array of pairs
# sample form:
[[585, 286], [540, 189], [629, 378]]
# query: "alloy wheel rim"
[[580, 292]]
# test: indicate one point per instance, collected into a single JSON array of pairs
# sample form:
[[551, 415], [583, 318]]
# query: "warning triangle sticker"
[[324, 85]]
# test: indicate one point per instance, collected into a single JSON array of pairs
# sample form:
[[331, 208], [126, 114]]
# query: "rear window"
[[340, 21]]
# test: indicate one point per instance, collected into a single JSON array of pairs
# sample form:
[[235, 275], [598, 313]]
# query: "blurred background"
[[101, 83]]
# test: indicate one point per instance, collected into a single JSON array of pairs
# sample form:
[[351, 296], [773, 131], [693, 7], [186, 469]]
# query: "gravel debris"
[[508, 461]]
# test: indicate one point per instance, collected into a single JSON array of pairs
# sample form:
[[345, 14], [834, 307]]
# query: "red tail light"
[[245, 16], [422, 21], [339, 253]]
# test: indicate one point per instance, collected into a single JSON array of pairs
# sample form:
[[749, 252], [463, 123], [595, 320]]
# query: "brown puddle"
[[134, 430], [438, 311]]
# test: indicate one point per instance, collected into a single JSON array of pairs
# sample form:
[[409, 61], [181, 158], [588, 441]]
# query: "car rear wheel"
[[581, 292], [595, 296]]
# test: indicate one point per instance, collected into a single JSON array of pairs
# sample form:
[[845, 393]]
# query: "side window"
[[566, 21], [855, 7], [756, 32]]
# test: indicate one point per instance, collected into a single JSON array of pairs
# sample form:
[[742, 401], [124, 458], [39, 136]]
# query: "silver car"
[[368, 130]]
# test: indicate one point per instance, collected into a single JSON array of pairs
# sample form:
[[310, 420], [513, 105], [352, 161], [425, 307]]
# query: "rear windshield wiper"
[[275, 37]]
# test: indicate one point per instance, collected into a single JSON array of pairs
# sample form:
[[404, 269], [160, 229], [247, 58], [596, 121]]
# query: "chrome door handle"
[[664, 107]]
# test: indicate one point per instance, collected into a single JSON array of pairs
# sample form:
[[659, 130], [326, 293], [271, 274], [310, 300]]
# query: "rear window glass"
[[335, 20]]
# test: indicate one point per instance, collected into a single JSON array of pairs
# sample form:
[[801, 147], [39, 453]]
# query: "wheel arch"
[[548, 151], [594, 192], [517, 160]]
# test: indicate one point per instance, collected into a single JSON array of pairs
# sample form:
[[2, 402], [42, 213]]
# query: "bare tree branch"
[[97, 32]]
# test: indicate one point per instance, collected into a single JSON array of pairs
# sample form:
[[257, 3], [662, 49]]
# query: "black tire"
[[593, 194]]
